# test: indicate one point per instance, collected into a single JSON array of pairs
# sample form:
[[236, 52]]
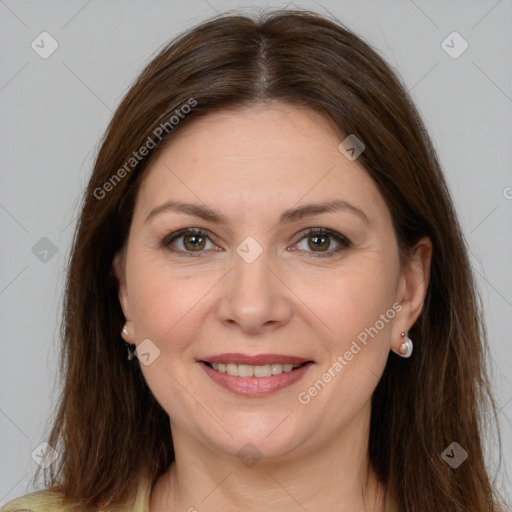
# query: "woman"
[[268, 226]]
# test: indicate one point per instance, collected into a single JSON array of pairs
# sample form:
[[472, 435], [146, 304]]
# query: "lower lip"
[[255, 386]]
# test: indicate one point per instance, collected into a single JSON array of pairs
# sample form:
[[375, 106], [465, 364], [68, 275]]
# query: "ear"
[[118, 267], [412, 289]]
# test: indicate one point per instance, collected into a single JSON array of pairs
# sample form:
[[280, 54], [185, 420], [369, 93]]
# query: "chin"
[[268, 437]]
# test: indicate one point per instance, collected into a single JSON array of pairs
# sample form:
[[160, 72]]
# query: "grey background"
[[53, 112]]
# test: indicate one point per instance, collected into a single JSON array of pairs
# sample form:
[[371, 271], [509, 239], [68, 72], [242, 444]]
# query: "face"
[[267, 316]]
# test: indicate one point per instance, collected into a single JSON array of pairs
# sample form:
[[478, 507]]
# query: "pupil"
[[319, 242], [194, 242]]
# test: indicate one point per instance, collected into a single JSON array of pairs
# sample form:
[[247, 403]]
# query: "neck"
[[335, 476]]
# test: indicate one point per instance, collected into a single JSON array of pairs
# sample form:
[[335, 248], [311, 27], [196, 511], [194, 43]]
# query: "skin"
[[250, 166]]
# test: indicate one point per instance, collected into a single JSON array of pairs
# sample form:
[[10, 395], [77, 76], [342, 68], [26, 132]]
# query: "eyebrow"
[[289, 216]]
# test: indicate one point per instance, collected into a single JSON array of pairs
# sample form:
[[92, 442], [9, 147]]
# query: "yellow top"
[[50, 501]]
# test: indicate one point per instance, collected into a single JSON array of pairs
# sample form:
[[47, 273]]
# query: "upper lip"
[[256, 360]]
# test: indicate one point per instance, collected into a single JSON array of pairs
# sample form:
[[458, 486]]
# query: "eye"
[[320, 241], [188, 240], [315, 240]]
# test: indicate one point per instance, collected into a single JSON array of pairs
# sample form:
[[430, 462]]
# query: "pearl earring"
[[129, 347], [406, 347]]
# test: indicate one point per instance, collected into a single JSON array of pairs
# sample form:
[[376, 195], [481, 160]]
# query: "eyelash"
[[344, 243]]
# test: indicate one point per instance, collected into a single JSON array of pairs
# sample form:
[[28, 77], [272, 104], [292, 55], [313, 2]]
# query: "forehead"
[[258, 132], [260, 157]]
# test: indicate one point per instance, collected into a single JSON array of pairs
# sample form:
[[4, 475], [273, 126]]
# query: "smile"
[[255, 380]]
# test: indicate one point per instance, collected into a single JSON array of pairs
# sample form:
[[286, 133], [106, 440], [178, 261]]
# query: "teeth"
[[276, 369], [247, 370], [262, 371], [232, 369]]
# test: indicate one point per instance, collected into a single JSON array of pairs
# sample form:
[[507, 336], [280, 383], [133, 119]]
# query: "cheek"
[[165, 302], [354, 356], [349, 300]]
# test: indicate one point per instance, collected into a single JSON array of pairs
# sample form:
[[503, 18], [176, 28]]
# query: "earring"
[[406, 347], [131, 350], [129, 346]]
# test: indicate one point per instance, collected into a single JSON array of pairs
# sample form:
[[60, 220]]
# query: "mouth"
[[255, 376]]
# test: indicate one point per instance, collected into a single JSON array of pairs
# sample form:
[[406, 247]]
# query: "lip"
[[256, 386], [257, 360]]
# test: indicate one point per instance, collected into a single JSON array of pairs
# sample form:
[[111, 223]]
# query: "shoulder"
[[39, 501], [54, 501]]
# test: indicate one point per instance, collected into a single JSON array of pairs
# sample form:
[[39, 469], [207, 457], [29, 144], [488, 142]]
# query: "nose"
[[254, 296]]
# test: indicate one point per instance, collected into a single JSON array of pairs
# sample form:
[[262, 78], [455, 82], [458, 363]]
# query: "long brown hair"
[[109, 429]]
